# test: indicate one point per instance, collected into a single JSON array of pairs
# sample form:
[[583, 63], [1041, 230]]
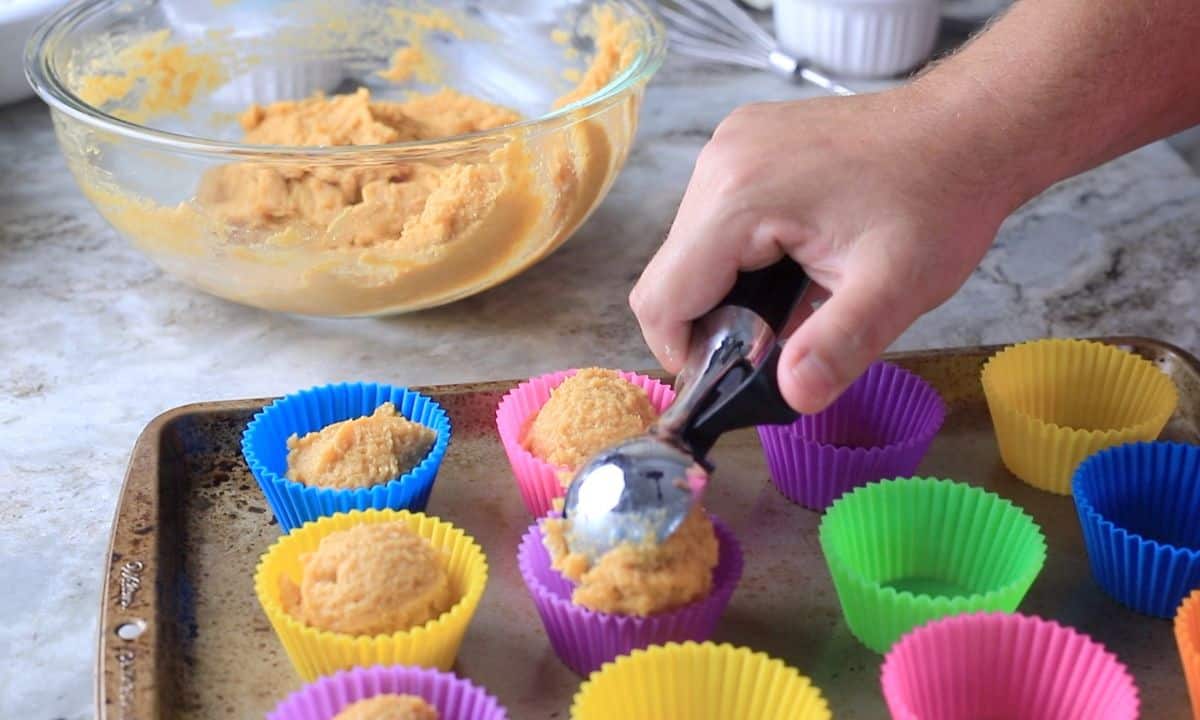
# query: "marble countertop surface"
[[96, 341]]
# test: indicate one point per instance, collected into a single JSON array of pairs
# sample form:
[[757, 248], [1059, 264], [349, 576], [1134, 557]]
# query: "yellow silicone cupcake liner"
[[1055, 402], [701, 681], [315, 652]]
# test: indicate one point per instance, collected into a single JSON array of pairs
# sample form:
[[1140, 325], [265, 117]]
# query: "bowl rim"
[[50, 87]]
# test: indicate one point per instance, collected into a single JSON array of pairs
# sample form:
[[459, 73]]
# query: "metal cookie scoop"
[[642, 489]]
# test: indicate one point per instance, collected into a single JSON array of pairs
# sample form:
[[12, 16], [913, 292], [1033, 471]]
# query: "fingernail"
[[817, 378]]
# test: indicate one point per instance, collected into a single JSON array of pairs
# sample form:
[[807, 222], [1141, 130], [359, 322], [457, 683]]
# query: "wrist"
[[979, 142]]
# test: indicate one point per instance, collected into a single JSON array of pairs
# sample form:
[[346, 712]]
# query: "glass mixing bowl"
[[149, 101]]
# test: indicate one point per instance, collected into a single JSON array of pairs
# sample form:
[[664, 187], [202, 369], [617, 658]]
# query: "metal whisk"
[[720, 31]]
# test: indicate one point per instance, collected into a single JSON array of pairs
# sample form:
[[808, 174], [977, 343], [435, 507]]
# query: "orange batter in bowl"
[[354, 236]]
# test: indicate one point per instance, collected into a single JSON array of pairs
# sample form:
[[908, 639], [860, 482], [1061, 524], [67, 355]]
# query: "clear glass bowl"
[[146, 96]]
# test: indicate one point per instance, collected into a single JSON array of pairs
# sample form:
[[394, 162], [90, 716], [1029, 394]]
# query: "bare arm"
[[1056, 87], [891, 200]]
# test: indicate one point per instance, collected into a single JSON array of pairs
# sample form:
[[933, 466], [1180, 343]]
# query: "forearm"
[[1056, 87]]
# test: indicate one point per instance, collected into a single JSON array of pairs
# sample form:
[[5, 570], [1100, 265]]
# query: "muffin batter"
[[371, 579], [640, 580], [389, 706], [588, 412], [363, 238], [416, 207], [359, 453]]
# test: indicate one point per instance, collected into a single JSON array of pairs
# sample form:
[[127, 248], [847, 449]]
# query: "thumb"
[[842, 338]]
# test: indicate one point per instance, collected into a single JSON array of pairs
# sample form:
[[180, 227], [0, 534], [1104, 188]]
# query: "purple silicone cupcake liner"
[[453, 697], [585, 639], [879, 429]]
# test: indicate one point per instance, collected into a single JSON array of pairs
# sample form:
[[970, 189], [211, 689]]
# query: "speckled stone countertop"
[[96, 341]]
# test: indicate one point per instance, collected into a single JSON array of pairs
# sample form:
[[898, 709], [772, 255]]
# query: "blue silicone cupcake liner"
[[1139, 505], [264, 445]]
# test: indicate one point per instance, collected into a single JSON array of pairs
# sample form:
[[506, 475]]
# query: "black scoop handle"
[[749, 395], [771, 293]]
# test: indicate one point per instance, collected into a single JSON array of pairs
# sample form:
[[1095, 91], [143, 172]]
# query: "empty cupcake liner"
[[585, 639], [1138, 505], [701, 681], [880, 428], [904, 552], [1054, 402], [1187, 637], [453, 697], [264, 445], [435, 644], [1005, 666], [540, 482]]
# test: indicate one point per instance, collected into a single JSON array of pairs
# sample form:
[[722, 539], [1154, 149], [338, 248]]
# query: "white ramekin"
[[859, 38]]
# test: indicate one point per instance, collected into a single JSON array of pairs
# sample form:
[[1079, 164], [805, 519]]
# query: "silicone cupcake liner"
[[1054, 402], [584, 639], [1005, 666], [1187, 636], [264, 445], [907, 551], [453, 697], [435, 644], [698, 682], [880, 428], [1139, 506], [540, 482]]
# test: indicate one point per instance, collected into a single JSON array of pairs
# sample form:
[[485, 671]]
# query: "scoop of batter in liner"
[[361, 452], [389, 706], [587, 412], [370, 579]]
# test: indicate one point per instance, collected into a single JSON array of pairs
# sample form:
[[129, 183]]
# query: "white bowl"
[[859, 38], [18, 18]]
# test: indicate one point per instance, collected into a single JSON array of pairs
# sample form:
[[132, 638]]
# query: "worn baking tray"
[[181, 634]]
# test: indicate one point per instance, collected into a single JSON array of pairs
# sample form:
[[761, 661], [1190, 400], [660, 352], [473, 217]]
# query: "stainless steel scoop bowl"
[[641, 490]]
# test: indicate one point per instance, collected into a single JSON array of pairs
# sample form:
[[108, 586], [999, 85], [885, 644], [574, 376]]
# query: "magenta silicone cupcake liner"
[[585, 639], [880, 428], [453, 697], [540, 482], [1005, 665]]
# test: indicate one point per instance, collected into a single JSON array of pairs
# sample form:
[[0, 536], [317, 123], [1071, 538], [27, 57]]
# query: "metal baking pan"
[[181, 634]]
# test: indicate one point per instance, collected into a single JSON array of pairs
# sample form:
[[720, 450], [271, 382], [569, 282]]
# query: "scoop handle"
[[748, 393], [771, 292]]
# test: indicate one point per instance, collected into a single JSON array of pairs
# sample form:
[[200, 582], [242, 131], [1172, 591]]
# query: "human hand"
[[885, 210]]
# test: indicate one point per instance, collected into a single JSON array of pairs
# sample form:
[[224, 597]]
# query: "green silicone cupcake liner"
[[906, 551]]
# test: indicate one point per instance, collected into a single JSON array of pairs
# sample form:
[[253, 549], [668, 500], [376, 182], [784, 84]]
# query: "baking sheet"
[[181, 634]]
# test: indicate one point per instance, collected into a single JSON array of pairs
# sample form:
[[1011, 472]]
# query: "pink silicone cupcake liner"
[[453, 697], [1005, 666], [879, 429], [584, 639], [540, 482]]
